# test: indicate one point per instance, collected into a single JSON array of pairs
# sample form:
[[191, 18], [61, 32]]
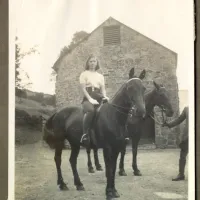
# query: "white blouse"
[[92, 79]]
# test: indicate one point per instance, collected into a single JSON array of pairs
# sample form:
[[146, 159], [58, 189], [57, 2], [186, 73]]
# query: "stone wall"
[[135, 50]]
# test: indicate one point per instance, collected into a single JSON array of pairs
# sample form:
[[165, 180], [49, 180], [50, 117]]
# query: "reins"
[[164, 119], [117, 106]]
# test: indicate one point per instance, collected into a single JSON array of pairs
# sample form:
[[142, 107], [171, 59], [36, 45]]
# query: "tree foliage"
[[41, 98], [17, 64], [77, 38], [18, 58]]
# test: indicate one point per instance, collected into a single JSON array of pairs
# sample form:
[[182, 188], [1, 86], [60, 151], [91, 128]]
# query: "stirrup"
[[83, 137]]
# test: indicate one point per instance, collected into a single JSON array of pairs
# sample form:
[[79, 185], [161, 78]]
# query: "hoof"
[[115, 194], [137, 173], [91, 170], [99, 168], [109, 195], [122, 173], [109, 198], [63, 187], [80, 188]]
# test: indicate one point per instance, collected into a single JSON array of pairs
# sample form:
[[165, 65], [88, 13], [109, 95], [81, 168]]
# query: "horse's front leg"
[[108, 172], [110, 158], [114, 156], [90, 167], [121, 163], [96, 160], [57, 158], [73, 162], [135, 141]]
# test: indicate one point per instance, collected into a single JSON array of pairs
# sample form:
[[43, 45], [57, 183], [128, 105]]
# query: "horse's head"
[[135, 96], [162, 99]]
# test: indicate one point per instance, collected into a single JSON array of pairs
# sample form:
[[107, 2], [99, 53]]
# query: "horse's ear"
[[157, 86], [131, 73], [142, 74]]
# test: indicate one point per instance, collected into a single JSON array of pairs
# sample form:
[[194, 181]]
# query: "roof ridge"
[[86, 37]]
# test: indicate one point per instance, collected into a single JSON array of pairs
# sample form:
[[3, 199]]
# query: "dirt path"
[[36, 176]]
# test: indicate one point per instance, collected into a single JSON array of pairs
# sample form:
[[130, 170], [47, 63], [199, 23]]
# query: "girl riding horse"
[[93, 87]]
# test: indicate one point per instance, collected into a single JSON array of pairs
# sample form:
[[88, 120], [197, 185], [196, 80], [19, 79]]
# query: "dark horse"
[[127, 104], [157, 97], [93, 146]]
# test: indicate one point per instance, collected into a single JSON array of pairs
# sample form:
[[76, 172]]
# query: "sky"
[[50, 24]]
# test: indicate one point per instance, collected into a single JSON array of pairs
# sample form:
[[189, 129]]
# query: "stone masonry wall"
[[135, 50]]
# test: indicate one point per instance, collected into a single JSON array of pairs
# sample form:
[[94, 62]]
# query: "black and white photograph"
[[102, 93]]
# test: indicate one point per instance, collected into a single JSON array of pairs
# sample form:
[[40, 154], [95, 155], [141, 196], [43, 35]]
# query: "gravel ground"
[[36, 176]]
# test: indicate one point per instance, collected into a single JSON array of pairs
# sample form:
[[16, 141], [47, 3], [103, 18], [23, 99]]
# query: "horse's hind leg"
[[121, 163], [73, 161], [135, 141], [96, 160], [57, 158], [90, 167]]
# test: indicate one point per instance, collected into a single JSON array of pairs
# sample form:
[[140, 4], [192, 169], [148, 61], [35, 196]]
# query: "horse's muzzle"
[[141, 113], [135, 116], [169, 113]]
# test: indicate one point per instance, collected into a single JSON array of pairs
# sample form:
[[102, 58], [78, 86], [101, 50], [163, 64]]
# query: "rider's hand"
[[166, 124], [93, 101], [106, 98]]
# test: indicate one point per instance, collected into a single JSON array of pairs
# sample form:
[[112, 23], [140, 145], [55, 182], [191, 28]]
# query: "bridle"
[[130, 109], [164, 118]]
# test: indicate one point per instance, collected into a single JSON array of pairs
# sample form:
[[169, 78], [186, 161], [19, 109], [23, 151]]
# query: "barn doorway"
[[148, 132]]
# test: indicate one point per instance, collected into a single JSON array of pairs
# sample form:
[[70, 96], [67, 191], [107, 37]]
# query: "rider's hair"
[[87, 62]]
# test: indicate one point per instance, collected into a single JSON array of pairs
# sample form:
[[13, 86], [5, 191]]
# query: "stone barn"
[[119, 48]]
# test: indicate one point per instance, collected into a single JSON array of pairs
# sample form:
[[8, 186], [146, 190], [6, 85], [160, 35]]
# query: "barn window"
[[111, 35]]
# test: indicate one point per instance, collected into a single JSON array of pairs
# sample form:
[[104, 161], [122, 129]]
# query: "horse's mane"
[[123, 86], [146, 93], [119, 90]]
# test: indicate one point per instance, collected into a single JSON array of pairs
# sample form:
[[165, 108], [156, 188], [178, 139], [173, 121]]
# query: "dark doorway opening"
[[148, 132]]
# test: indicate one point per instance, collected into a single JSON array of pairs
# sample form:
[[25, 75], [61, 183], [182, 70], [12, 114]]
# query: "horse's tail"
[[48, 134]]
